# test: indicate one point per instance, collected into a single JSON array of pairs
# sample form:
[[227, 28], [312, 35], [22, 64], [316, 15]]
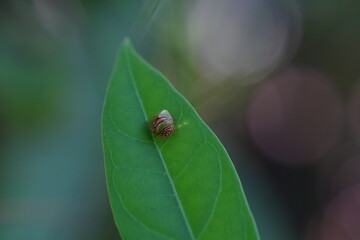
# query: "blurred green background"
[[278, 82]]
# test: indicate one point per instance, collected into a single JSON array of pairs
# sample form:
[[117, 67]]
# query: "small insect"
[[161, 124]]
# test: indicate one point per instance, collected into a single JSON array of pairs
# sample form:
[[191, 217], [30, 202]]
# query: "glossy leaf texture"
[[183, 188]]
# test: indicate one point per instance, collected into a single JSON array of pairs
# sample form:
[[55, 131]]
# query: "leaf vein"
[[217, 195], [122, 132], [187, 164], [131, 214], [159, 152]]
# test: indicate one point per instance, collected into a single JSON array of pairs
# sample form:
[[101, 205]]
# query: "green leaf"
[[183, 188]]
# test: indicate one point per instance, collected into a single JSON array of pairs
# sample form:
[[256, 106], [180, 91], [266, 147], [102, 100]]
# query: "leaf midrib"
[[157, 148]]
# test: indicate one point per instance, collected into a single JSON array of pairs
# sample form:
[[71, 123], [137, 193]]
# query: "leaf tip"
[[126, 43]]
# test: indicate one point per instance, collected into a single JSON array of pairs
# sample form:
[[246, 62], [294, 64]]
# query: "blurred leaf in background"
[[56, 57]]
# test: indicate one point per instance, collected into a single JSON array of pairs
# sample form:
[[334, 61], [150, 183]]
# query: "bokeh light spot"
[[295, 116]]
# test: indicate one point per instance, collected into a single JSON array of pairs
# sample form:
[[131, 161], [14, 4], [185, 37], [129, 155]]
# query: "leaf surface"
[[185, 188]]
